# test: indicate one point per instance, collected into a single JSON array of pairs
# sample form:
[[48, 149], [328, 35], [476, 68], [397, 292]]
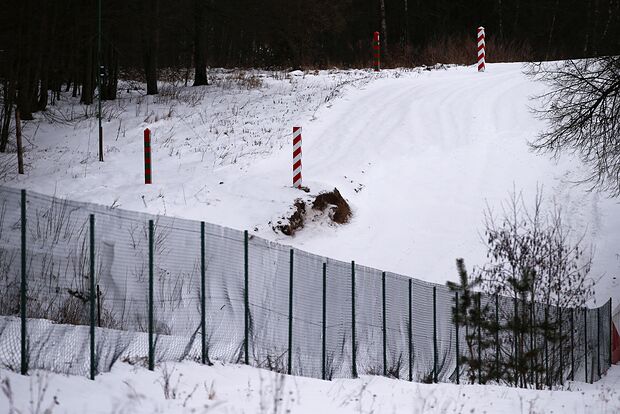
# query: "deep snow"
[[194, 388], [418, 154]]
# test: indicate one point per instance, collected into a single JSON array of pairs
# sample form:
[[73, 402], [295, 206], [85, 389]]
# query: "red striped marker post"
[[297, 157], [481, 51], [147, 156], [376, 46]]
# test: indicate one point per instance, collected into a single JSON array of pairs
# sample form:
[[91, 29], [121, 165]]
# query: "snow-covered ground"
[[417, 153], [191, 388]]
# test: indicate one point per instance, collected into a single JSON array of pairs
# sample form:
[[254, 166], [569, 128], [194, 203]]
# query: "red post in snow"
[[376, 47], [297, 157], [147, 156], [481, 50]]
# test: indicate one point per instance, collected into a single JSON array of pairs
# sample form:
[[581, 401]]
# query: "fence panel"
[[367, 328], [446, 335], [422, 321], [225, 309], [10, 278], [397, 323], [122, 278], [307, 314], [58, 280], [269, 304], [339, 350], [369, 325]]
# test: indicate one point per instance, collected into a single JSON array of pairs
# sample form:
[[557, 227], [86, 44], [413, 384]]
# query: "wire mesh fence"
[[83, 286]]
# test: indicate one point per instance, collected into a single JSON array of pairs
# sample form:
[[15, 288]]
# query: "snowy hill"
[[418, 155]]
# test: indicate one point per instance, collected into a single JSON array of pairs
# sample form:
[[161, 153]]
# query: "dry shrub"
[[73, 311], [238, 79], [459, 50]]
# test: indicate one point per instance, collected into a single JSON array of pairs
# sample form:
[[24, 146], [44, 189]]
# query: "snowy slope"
[[418, 154], [231, 389]]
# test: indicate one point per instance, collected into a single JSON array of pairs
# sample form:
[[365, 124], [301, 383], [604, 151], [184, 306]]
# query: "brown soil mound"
[[296, 220], [340, 211]]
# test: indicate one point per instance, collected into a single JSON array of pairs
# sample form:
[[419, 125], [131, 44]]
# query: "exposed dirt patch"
[[339, 209], [332, 202], [295, 221]]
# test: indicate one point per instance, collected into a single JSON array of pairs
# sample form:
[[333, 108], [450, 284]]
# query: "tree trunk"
[[200, 55], [384, 38], [24, 95], [111, 81], [18, 136], [555, 12], [43, 95], [87, 81], [150, 43], [499, 12], [9, 94], [406, 31]]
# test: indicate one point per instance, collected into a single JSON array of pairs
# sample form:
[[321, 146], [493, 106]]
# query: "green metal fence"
[[83, 286]]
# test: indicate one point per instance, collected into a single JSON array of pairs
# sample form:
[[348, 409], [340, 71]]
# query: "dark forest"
[[51, 46]]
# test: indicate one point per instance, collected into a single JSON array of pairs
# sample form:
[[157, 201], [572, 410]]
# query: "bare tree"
[[583, 109]]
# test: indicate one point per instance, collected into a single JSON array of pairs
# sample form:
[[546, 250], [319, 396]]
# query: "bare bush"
[[461, 50], [238, 79], [583, 111], [534, 255], [536, 269]]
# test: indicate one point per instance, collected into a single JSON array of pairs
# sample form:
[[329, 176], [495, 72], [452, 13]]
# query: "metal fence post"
[[246, 300], [435, 356], [572, 344], [290, 316], [323, 356], [23, 288], [479, 322], [547, 376], [497, 373], [385, 370], [610, 330], [456, 326], [516, 339], [598, 342], [92, 298], [561, 347], [534, 342], [151, 254], [98, 306], [353, 344], [585, 342], [410, 333], [203, 296]]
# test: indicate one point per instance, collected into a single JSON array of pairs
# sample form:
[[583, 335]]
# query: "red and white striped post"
[[297, 157], [376, 47], [147, 156], [481, 49]]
